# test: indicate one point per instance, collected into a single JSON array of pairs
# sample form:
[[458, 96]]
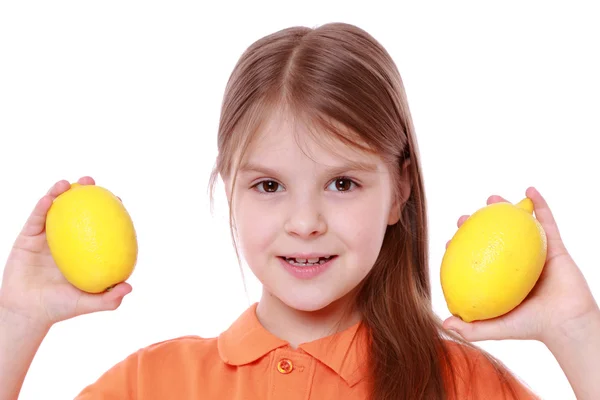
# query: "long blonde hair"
[[339, 72]]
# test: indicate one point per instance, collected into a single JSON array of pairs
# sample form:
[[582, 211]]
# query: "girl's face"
[[295, 205]]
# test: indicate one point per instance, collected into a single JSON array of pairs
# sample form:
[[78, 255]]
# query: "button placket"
[[289, 378]]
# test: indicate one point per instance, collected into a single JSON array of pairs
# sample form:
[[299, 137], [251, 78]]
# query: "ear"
[[405, 190]]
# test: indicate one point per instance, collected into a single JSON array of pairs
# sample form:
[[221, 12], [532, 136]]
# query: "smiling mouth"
[[307, 262]]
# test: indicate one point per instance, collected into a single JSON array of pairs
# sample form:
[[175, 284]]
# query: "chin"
[[307, 302]]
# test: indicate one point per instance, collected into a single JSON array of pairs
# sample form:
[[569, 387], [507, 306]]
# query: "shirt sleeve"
[[489, 381], [477, 377], [118, 383]]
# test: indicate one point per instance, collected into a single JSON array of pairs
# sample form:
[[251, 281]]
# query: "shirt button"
[[285, 366]]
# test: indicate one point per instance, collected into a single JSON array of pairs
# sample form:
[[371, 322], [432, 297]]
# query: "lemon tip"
[[526, 204]]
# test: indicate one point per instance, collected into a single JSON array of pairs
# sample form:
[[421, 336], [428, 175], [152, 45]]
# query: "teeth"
[[302, 262]]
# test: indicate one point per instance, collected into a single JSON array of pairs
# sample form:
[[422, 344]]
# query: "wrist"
[[576, 332], [16, 320]]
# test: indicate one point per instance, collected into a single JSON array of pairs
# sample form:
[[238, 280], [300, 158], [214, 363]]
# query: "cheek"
[[362, 227], [257, 227]]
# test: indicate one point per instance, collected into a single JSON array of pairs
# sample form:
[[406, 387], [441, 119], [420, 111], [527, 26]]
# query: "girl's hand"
[[33, 286], [560, 301]]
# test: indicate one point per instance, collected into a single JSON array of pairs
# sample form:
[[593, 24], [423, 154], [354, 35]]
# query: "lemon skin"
[[493, 261], [92, 238]]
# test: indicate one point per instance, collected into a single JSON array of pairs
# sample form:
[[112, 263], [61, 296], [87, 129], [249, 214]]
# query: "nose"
[[306, 220]]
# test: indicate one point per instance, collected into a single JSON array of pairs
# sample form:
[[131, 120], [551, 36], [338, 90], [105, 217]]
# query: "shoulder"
[[175, 350], [177, 353], [477, 374], [183, 346], [156, 368]]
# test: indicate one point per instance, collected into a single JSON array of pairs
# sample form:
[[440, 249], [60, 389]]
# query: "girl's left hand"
[[560, 301]]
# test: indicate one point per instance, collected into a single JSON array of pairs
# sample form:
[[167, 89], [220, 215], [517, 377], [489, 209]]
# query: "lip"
[[306, 272]]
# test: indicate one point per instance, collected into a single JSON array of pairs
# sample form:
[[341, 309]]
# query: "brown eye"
[[343, 184], [268, 186]]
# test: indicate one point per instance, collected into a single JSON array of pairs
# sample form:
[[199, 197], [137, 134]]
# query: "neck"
[[297, 326]]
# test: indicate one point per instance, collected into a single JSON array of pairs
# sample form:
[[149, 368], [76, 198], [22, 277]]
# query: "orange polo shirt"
[[247, 362]]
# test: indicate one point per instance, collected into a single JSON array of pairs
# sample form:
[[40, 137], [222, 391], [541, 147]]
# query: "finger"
[[496, 199], [542, 211], [109, 300], [37, 220], [86, 180], [493, 329], [544, 215], [58, 188]]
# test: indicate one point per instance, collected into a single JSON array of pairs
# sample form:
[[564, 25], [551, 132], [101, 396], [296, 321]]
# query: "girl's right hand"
[[34, 287]]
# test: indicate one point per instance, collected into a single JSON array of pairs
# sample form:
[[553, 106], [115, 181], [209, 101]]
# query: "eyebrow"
[[351, 166]]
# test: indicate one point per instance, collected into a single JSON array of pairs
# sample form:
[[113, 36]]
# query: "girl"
[[322, 173]]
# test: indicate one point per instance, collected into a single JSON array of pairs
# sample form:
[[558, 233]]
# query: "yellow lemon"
[[493, 261], [91, 238]]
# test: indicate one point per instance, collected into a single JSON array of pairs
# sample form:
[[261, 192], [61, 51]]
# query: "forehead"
[[286, 135]]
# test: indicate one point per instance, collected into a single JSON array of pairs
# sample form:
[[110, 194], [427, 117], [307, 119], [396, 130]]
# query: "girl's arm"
[[560, 312], [577, 350], [35, 295], [20, 339]]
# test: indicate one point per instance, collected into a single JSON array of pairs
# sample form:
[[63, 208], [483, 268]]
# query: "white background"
[[503, 97]]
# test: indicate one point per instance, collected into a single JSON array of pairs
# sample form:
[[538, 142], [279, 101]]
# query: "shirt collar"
[[344, 352]]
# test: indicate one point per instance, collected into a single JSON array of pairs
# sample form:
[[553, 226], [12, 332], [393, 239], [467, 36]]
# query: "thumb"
[[545, 217], [493, 329], [107, 301]]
